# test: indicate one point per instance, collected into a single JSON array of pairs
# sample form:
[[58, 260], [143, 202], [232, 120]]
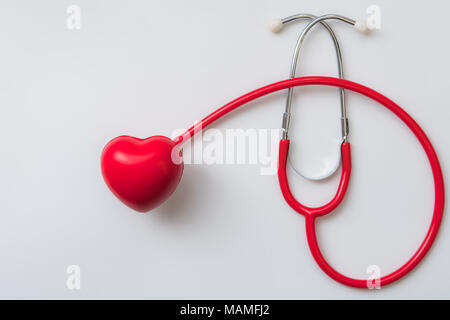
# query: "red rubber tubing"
[[342, 188], [312, 213]]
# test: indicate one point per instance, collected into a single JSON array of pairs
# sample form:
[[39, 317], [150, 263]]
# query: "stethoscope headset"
[[143, 173]]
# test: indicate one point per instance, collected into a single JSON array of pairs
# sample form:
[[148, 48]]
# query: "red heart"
[[141, 172]]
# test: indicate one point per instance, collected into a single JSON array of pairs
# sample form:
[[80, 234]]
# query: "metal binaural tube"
[[321, 19]]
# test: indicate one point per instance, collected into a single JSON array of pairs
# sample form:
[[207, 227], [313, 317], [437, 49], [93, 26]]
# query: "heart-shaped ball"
[[142, 173]]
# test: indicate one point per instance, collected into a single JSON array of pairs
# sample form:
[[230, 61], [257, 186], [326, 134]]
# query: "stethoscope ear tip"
[[362, 27], [276, 25]]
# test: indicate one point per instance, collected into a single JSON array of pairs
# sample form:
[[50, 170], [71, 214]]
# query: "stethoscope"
[[143, 173]]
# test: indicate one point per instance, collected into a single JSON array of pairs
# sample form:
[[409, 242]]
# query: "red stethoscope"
[[143, 173]]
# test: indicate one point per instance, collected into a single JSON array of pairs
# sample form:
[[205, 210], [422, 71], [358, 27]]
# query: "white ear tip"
[[276, 25], [361, 26]]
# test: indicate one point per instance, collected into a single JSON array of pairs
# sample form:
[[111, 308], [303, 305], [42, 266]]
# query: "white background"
[[148, 67]]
